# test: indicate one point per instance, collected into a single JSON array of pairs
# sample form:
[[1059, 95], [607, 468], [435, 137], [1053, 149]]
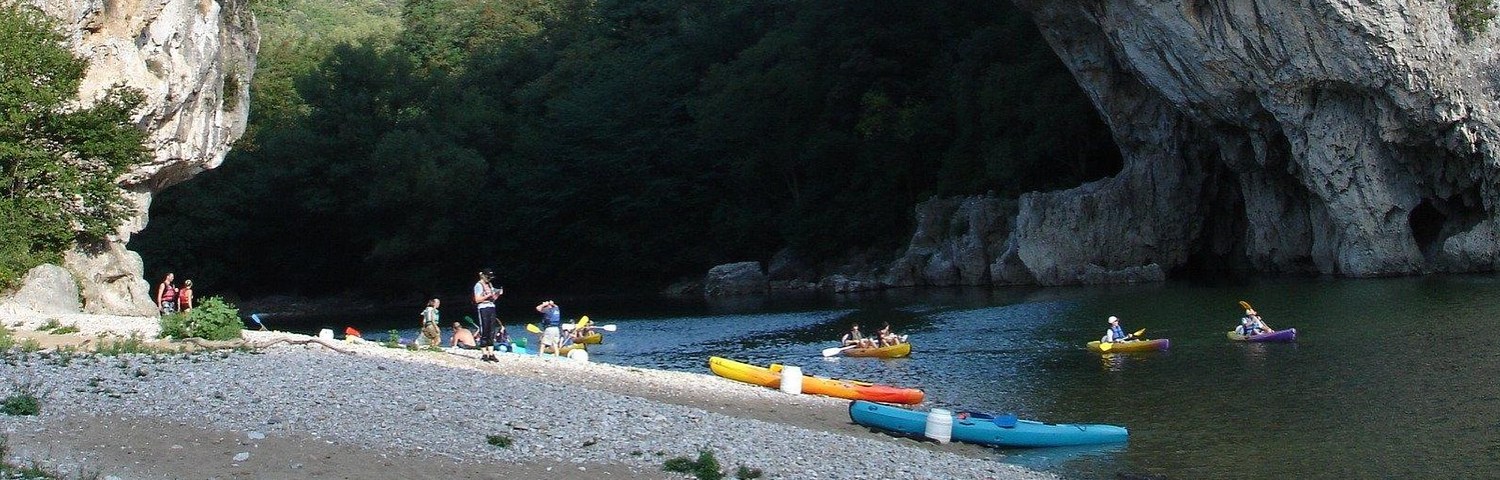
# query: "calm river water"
[[1389, 378]]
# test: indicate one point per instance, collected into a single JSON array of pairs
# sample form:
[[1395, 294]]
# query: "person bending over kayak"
[[551, 328], [1116, 333], [1252, 324]]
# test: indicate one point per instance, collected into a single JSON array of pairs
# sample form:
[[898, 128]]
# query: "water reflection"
[[1119, 362]]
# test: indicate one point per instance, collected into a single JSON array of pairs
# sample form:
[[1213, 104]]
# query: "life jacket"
[[169, 294]]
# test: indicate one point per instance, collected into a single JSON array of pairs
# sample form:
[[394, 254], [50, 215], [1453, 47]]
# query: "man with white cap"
[[1116, 333], [1252, 324]]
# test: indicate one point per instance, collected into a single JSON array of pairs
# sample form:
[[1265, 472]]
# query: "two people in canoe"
[[1252, 324], [1115, 333], [883, 338]]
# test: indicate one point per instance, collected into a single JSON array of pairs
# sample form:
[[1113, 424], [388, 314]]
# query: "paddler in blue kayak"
[[1116, 333]]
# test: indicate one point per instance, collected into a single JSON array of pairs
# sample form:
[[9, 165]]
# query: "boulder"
[[46, 289], [735, 279]]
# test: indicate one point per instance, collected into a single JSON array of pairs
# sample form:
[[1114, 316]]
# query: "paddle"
[[831, 351], [531, 327], [608, 328], [1262, 322], [256, 317], [1106, 346]]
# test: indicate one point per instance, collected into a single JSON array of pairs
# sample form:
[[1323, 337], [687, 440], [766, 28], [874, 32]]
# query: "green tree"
[[59, 161]]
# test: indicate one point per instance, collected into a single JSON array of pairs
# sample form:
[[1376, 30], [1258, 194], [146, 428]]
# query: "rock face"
[[46, 289], [735, 279], [1323, 136], [193, 60]]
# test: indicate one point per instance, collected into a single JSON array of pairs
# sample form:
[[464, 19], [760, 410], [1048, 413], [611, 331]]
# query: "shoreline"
[[568, 419]]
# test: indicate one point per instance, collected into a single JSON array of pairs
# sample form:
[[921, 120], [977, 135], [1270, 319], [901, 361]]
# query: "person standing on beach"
[[185, 296], [551, 328], [484, 297], [166, 295], [431, 333]]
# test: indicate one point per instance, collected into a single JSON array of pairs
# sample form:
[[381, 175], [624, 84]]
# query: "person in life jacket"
[[166, 295], [1116, 333], [1252, 324]]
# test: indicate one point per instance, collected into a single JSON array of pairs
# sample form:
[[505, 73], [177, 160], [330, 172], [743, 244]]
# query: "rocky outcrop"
[[45, 289], [193, 60], [735, 279], [1324, 136], [956, 242]]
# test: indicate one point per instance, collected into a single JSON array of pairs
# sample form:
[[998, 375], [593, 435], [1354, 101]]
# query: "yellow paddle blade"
[[1245, 305], [1138, 333], [583, 321], [531, 327], [1105, 346]]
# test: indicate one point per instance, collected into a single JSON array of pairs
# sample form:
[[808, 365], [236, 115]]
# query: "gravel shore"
[[306, 411]]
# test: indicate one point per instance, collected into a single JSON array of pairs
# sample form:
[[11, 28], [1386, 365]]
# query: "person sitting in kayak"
[[576, 336], [1116, 333], [857, 339], [1252, 324], [888, 338]]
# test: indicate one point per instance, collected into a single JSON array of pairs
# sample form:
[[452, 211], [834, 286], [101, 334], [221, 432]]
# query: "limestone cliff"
[[1334, 137], [193, 60]]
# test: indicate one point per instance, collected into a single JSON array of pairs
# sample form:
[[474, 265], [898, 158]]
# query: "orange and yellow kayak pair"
[[848, 389]]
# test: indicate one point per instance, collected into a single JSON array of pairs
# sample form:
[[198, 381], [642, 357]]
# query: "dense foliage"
[[586, 145], [58, 160], [214, 319]]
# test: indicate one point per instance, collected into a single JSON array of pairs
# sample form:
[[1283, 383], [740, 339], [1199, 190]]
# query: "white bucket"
[[791, 379], [579, 355], [939, 425], [326, 334]]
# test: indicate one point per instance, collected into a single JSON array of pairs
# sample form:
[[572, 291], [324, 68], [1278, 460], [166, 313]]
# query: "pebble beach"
[[434, 411]]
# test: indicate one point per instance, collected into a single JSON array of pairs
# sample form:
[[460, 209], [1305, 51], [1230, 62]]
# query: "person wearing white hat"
[[1252, 324], [1116, 333]]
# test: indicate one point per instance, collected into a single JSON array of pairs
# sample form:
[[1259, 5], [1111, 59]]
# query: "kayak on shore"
[[1287, 335], [986, 429], [832, 387], [1130, 346]]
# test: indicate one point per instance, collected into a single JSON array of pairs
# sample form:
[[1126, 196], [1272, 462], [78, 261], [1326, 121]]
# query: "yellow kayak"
[[1131, 346], [846, 389], [593, 338], [891, 351]]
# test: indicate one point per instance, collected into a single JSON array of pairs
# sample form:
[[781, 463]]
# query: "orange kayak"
[[857, 390], [892, 351], [847, 389]]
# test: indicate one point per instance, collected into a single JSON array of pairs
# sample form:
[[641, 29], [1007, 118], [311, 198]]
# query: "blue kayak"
[[985, 429]]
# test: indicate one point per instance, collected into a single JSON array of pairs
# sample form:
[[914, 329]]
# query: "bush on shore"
[[214, 319]]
